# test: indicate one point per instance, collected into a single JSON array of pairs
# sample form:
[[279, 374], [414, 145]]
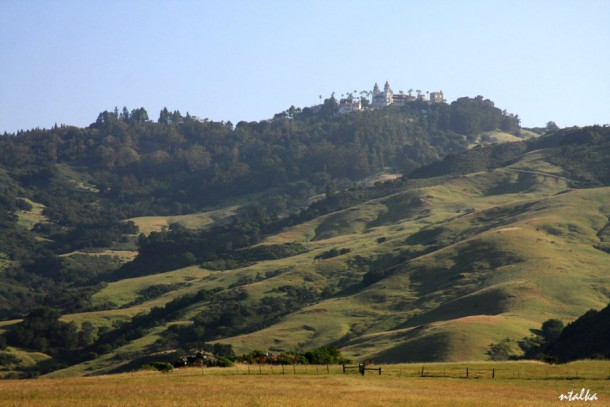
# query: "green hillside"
[[432, 273], [493, 273], [67, 191], [433, 266]]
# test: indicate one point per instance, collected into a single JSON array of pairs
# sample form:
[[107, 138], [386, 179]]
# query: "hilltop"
[[483, 244], [67, 190]]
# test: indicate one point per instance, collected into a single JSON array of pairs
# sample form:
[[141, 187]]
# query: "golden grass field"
[[399, 385]]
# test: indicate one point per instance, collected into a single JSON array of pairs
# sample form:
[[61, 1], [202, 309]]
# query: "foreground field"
[[316, 386]]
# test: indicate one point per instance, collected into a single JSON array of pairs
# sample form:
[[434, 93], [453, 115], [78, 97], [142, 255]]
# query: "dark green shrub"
[[224, 362], [162, 367], [23, 205]]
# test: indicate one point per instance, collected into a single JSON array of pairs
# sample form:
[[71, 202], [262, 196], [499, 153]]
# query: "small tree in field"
[[500, 350], [162, 367]]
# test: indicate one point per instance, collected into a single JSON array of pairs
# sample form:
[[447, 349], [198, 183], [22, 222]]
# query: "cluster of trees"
[[325, 355], [223, 355], [183, 162], [232, 312], [588, 337], [581, 152], [474, 116], [227, 312], [533, 346], [334, 252], [42, 331], [179, 247]]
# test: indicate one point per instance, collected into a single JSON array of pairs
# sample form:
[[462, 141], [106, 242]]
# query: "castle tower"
[[388, 93], [382, 99]]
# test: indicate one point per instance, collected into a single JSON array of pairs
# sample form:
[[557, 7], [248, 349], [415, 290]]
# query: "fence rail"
[[518, 371]]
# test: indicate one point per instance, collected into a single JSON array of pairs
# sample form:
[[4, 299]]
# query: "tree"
[[330, 107], [551, 329], [551, 127], [139, 115], [500, 350], [124, 114], [164, 116], [41, 330], [536, 346], [87, 334]]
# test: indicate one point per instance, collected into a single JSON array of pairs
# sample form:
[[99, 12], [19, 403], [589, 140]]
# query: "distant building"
[[349, 105], [437, 97], [382, 99], [402, 99]]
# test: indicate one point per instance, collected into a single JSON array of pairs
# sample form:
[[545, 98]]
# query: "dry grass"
[[148, 224], [204, 388]]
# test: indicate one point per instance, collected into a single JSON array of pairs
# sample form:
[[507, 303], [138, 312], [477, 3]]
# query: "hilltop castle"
[[386, 97]]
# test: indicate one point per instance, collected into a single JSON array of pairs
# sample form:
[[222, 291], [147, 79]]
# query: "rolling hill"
[[433, 266]]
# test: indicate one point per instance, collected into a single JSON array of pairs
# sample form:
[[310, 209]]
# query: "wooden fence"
[[474, 371], [362, 368]]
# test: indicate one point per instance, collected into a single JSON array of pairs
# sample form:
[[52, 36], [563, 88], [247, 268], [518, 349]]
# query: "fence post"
[[467, 373], [294, 369], [493, 373], [260, 371], [343, 369], [379, 371], [248, 369], [422, 371]]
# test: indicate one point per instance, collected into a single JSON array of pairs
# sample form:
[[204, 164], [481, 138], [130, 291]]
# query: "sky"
[[64, 62]]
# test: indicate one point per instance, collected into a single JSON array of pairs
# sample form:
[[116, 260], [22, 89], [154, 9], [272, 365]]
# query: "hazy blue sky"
[[66, 61]]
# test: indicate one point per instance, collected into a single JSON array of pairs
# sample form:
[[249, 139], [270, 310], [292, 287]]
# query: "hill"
[[66, 191], [433, 266]]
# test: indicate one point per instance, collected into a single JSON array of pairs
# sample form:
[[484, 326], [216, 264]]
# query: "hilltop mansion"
[[385, 97]]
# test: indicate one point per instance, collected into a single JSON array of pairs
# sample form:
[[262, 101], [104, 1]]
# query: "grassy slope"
[[148, 224], [506, 250], [496, 275], [496, 137], [27, 219]]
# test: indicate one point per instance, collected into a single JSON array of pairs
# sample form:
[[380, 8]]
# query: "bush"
[[162, 367], [8, 359], [500, 350], [23, 205], [224, 362]]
